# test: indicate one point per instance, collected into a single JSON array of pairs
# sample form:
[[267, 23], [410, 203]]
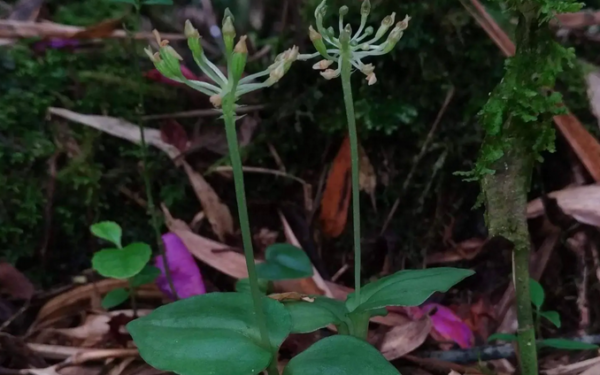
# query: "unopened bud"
[[241, 47], [403, 25], [346, 34], [369, 30], [371, 79], [343, 11], [228, 28], [216, 100], [291, 54], [385, 25], [365, 8], [331, 31], [314, 34], [317, 40], [190, 31], [322, 65], [330, 74], [365, 46]]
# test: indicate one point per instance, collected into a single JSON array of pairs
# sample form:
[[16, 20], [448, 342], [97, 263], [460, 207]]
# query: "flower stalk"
[[224, 93], [348, 52]]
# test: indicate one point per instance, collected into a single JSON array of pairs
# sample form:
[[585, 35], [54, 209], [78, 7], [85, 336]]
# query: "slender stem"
[[145, 173], [346, 67], [132, 298], [506, 199], [238, 178]]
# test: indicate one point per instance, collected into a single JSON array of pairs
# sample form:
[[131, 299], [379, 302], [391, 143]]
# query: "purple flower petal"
[[185, 273], [448, 325]]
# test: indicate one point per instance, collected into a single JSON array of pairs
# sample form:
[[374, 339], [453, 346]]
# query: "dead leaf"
[[26, 10], [367, 176], [577, 20], [593, 91], [581, 202], [14, 283], [100, 30], [13, 29], [291, 296], [465, 250], [216, 212], [118, 128], [585, 146], [403, 339], [79, 299], [336, 197], [173, 133]]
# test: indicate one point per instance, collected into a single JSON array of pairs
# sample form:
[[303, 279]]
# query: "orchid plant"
[[239, 333], [347, 51]]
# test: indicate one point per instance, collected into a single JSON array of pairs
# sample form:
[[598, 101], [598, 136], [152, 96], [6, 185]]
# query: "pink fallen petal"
[[185, 273], [449, 326]]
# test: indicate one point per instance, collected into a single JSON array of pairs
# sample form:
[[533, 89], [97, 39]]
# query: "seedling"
[[538, 296], [129, 262], [239, 333]]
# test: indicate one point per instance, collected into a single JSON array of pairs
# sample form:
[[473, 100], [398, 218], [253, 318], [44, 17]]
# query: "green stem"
[[506, 201], [132, 297], [238, 178], [354, 156], [144, 151]]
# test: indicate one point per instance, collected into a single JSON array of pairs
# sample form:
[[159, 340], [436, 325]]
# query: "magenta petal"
[[450, 326], [185, 273]]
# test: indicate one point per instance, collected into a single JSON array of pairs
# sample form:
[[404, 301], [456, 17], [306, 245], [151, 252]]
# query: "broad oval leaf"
[[537, 293], [567, 344], [406, 288], [114, 298], [109, 231], [340, 355], [122, 263], [284, 261], [311, 316], [147, 275], [243, 285], [209, 334]]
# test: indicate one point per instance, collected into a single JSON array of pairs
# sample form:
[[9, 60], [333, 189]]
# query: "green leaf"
[[109, 231], [114, 298], [157, 2], [122, 263], [284, 261], [552, 316], [132, 2], [406, 288], [311, 316], [502, 337], [147, 275], [243, 285], [566, 344], [210, 334], [537, 293], [340, 355]]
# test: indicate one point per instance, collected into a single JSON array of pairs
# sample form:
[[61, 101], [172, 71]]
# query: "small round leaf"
[[114, 298], [147, 275], [109, 231], [122, 263], [340, 355], [284, 261]]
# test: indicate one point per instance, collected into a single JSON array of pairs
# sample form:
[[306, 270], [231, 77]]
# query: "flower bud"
[[403, 25], [322, 65], [171, 51], [385, 25], [369, 30], [365, 8], [189, 30], [276, 74], [346, 34], [317, 40], [238, 60], [343, 11], [330, 74], [331, 31], [228, 31], [365, 46], [371, 79]]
